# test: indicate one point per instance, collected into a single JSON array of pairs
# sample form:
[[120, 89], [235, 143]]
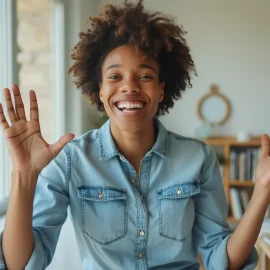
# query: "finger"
[[3, 121], [11, 112], [58, 146], [19, 106], [33, 106], [265, 146]]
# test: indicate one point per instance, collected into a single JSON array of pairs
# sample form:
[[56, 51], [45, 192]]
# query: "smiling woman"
[[159, 43], [130, 90]]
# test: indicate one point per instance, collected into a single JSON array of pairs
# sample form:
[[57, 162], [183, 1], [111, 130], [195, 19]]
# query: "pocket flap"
[[179, 190], [101, 193]]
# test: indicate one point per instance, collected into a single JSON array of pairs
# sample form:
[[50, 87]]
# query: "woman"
[[140, 197]]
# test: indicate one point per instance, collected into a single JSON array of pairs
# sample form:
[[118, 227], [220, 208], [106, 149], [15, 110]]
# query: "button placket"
[[100, 195], [142, 233], [179, 192], [133, 181], [142, 213]]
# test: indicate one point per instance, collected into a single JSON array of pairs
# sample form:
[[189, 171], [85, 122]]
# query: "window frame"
[[9, 74]]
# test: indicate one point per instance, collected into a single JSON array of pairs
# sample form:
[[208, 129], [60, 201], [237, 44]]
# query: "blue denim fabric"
[[158, 219]]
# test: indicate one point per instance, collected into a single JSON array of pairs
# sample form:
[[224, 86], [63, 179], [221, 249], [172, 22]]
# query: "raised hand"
[[263, 168], [27, 149]]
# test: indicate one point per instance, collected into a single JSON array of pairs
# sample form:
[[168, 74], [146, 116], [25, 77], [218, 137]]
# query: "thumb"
[[58, 146], [265, 146]]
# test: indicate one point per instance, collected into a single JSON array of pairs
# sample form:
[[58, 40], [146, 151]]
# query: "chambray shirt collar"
[[108, 149]]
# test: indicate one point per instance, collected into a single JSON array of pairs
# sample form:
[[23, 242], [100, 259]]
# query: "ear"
[[100, 93], [162, 86], [100, 97]]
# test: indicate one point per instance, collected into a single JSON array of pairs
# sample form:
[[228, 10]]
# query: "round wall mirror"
[[214, 108]]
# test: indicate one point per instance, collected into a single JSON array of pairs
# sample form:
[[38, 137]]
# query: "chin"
[[129, 125]]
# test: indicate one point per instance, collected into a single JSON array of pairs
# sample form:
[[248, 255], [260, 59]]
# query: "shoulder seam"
[[205, 159], [181, 137], [68, 171]]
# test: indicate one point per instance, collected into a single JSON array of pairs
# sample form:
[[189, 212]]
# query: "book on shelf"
[[266, 239], [237, 209], [265, 229], [243, 162], [244, 198]]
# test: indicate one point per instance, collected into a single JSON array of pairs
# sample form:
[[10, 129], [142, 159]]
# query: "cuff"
[[36, 261], [220, 258], [2, 262]]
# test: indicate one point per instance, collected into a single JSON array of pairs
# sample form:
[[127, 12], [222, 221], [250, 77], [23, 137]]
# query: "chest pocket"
[[177, 210], [103, 213]]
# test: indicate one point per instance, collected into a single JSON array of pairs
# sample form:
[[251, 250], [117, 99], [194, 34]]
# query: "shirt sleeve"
[[211, 230], [2, 262], [50, 211]]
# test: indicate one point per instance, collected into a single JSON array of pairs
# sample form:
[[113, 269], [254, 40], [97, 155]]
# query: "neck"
[[134, 145]]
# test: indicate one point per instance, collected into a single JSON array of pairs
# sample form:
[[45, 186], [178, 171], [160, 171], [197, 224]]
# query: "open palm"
[[27, 149]]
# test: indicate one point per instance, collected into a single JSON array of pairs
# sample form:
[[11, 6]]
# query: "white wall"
[[79, 115], [88, 8], [230, 44]]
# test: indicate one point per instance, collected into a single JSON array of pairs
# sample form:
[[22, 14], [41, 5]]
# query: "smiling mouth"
[[128, 106]]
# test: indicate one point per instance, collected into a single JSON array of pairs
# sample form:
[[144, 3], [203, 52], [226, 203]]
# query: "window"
[[33, 54], [7, 75]]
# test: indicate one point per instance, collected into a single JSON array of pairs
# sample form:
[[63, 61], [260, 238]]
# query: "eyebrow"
[[141, 66]]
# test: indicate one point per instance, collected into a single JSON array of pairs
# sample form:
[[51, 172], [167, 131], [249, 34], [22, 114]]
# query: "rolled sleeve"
[[2, 262], [37, 257], [211, 229], [220, 257]]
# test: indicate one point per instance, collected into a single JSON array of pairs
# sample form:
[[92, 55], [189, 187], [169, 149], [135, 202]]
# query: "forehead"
[[127, 55]]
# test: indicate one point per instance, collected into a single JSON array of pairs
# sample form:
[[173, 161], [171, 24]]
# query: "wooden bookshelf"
[[226, 145], [239, 183]]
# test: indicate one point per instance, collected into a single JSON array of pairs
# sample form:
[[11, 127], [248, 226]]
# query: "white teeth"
[[129, 105]]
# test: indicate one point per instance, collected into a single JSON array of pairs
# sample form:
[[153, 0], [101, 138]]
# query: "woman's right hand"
[[27, 149]]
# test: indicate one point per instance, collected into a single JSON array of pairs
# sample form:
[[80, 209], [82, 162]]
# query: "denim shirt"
[[158, 219]]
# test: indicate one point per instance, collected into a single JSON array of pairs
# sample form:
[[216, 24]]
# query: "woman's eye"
[[114, 77], [146, 77]]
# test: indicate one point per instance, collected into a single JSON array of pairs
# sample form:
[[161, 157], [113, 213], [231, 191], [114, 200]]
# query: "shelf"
[[238, 183], [254, 143], [232, 141]]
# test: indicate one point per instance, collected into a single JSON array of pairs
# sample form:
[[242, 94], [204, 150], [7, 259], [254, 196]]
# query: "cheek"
[[106, 92], [155, 95]]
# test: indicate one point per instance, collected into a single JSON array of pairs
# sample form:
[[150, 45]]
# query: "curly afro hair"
[[151, 32]]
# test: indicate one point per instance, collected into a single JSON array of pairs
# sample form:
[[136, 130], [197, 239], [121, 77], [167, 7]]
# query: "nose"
[[130, 87]]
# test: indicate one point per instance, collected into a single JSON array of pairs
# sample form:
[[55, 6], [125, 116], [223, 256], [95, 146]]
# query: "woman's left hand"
[[263, 167]]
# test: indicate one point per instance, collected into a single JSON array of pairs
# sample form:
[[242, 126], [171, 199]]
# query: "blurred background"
[[229, 42]]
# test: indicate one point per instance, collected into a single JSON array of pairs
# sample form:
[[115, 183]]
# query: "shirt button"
[[133, 181], [179, 192], [140, 255], [100, 195], [142, 233]]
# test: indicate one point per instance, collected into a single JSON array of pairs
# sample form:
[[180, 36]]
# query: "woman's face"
[[130, 88]]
